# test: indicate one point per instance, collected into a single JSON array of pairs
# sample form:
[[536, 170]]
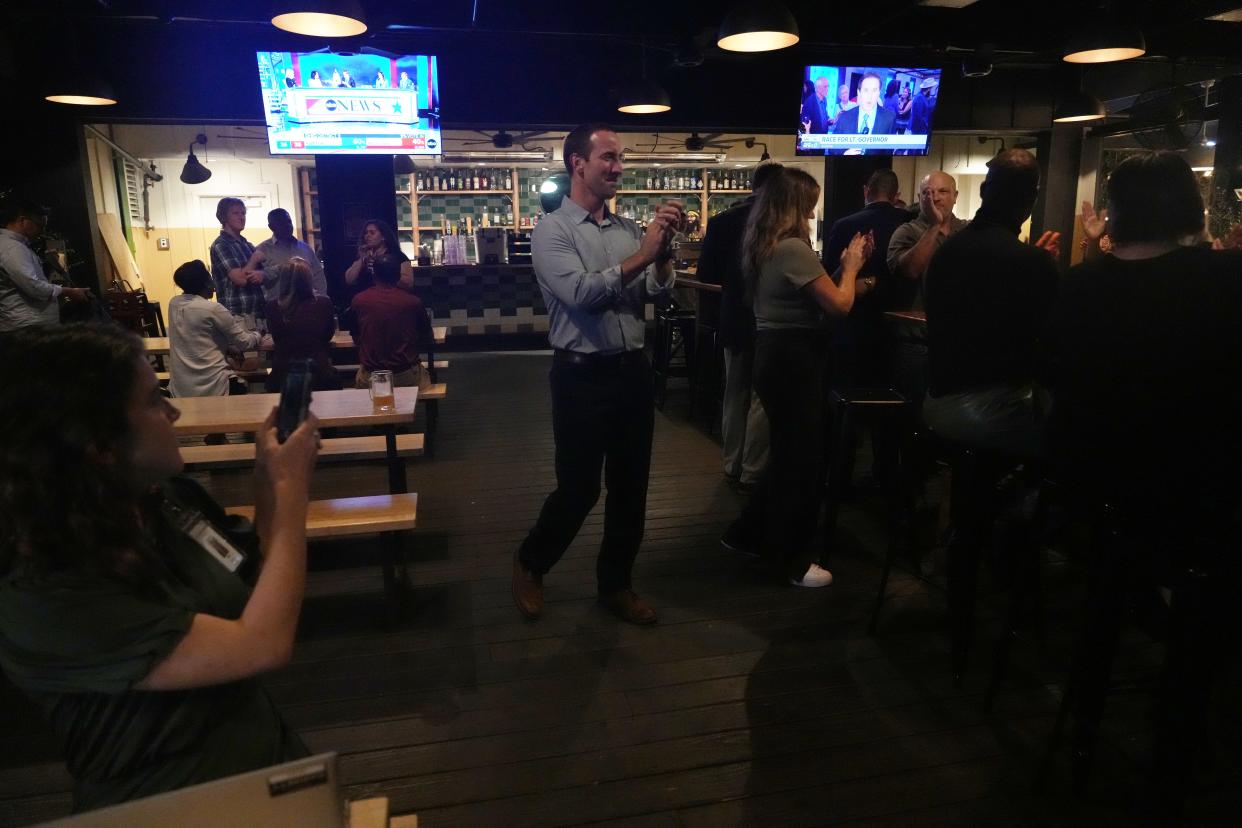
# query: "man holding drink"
[[596, 271]]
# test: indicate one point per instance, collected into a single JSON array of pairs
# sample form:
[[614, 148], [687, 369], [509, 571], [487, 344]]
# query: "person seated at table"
[[201, 332], [123, 613], [987, 296], [302, 325], [1143, 351], [389, 326], [793, 295], [377, 240]]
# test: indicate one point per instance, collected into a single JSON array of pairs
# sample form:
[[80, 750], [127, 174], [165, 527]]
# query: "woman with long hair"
[[377, 240], [793, 298], [302, 325], [129, 610]]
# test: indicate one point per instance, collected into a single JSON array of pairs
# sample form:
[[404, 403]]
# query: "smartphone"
[[295, 398]]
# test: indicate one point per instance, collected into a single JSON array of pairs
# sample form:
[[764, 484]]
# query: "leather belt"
[[598, 360]]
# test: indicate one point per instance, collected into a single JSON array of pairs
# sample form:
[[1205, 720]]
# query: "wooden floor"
[[751, 702]]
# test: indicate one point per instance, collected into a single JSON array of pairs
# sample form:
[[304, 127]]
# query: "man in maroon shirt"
[[389, 323]]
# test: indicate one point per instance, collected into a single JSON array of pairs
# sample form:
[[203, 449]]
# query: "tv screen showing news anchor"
[[866, 110]]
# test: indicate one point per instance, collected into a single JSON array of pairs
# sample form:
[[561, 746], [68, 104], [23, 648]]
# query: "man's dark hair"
[[878, 81], [1153, 196], [14, 207], [223, 207], [578, 142], [192, 277], [763, 174], [279, 211], [882, 184], [387, 269]]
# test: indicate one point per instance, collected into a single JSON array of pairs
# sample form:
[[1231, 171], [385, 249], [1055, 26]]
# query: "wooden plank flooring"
[[750, 703]]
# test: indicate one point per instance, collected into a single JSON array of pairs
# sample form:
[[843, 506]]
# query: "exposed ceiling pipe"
[[148, 170]]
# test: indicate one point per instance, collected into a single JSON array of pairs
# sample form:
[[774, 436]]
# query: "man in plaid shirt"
[[238, 289]]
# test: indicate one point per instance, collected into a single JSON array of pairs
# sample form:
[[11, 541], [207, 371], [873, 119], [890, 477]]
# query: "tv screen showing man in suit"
[[873, 113]]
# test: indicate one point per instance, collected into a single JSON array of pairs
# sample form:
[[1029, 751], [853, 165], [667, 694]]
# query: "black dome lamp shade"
[[82, 90], [1104, 41], [643, 97], [320, 18], [757, 26], [1078, 106], [193, 172]]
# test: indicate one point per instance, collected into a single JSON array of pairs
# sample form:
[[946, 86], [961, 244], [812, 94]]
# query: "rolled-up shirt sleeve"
[[232, 330], [22, 268], [654, 288], [560, 270]]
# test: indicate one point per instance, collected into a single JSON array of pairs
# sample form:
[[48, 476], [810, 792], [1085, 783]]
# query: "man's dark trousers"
[[602, 420]]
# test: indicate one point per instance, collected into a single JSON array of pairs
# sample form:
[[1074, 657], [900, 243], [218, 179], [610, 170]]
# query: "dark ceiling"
[[552, 62]]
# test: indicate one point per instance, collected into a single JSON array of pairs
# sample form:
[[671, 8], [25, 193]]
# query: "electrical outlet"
[[162, 241]]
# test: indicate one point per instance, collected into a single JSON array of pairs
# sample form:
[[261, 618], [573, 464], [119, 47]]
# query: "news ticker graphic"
[[825, 141]]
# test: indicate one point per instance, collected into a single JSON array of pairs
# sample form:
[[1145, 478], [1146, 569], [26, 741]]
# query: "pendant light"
[[757, 26], [643, 97], [320, 18], [1078, 106], [193, 172], [81, 90], [1104, 40]]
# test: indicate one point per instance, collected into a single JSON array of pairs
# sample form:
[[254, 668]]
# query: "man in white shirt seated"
[[200, 333], [274, 253]]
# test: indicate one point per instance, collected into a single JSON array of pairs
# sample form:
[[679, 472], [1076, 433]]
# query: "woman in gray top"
[[794, 298]]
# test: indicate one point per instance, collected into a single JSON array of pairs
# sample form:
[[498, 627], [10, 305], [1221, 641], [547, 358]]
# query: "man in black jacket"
[[744, 426], [861, 346]]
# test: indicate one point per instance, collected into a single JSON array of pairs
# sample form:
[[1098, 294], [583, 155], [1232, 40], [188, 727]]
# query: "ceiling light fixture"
[[1078, 106], [1104, 40], [193, 172], [82, 90], [321, 18], [643, 96], [670, 157], [757, 26]]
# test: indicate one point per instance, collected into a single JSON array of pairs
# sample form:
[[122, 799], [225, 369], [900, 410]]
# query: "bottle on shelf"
[[649, 187], [508, 180]]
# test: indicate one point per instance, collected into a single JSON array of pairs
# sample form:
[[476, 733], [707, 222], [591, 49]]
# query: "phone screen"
[[295, 398]]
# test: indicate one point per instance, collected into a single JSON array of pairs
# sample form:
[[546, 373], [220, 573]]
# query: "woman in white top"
[[381, 82], [200, 332]]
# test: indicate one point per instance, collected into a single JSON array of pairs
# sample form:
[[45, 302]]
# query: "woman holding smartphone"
[[793, 299], [377, 240], [148, 673]]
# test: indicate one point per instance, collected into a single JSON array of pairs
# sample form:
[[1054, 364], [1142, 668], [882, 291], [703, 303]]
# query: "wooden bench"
[[371, 447], [385, 515]]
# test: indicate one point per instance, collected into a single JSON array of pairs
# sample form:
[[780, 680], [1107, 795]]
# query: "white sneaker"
[[816, 576]]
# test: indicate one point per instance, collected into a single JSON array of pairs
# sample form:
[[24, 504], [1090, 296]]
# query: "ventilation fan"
[[504, 140], [1167, 118], [697, 143]]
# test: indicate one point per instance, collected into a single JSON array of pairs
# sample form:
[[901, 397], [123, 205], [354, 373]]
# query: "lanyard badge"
[[207, 536]]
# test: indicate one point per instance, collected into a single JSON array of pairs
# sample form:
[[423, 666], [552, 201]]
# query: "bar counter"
[[477, 300]]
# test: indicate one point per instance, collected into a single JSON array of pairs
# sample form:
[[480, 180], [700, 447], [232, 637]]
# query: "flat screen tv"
[[319, 103], [866, 110]]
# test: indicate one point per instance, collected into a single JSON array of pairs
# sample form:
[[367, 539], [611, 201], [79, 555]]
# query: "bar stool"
[[1201, 610], [674, 348], [889, 413]]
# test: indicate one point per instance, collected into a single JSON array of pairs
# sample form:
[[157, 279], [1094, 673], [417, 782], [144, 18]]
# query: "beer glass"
[[382, 396]]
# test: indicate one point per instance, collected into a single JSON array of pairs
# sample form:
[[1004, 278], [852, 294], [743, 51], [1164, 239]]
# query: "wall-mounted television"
[[866, 110], [324, 102]]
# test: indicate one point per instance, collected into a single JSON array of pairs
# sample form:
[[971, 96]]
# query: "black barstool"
[[674, 348], [1200, 578]]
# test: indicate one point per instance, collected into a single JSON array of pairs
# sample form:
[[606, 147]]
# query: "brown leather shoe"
[[527, 590], [626, 605]]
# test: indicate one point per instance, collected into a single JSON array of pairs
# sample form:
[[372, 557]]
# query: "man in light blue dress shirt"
[[26, 296], [596, 271]]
